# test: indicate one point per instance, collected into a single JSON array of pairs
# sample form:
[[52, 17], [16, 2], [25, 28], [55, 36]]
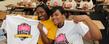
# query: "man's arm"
[[93, 33], [44, 37]]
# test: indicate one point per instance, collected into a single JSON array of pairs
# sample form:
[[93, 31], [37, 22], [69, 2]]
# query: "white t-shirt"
[[71, 32], [21, 30]]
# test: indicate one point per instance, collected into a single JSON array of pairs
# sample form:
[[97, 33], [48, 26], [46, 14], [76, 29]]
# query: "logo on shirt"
[[61, 39], [24, 31]]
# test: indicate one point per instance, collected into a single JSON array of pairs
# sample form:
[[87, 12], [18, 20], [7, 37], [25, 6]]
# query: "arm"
[[93, 33], [44, 37]]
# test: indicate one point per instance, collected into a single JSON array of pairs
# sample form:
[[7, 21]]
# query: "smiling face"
[[42, 15], [57, 17]]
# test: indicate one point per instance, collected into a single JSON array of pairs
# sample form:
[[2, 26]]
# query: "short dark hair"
[[45, 7], [60, 8]]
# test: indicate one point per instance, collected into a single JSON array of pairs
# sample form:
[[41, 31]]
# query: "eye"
[[56, 14], [41, 11]]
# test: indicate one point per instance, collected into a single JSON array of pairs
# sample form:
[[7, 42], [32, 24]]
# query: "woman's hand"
[[40, 26]]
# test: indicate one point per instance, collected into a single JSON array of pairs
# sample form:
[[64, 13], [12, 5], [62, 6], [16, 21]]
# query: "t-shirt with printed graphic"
[[21, 30], [61, 39], [71, 33]]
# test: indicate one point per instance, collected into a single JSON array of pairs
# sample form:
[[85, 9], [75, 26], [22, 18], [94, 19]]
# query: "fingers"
[[40, 26], [80, 18], [77, 18]]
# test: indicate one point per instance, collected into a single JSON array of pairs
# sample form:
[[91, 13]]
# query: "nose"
[[53, 17]]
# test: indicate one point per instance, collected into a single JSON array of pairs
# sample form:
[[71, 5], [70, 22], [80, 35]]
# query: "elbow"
[[94, 38], [97, 34], [98, 37]]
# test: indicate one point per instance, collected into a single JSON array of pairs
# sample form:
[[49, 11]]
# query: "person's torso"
[[50, 30], [70, 32]]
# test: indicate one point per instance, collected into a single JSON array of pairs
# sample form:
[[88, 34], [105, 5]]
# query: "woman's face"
[[57, 17], [42, 15]]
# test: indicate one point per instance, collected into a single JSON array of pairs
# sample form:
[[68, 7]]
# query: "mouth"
[[41, 17]]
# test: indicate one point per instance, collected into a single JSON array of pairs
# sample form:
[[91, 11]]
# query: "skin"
[[93, 33], [42, 15], [57, 18]]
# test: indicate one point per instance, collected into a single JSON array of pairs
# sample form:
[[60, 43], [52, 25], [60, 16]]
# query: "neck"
[[61, 25]]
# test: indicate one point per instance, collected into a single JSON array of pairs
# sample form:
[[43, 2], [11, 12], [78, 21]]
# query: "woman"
[[47, 36], [72, 32]]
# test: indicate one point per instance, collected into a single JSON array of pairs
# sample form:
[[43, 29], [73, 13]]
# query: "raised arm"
[[94, 32]]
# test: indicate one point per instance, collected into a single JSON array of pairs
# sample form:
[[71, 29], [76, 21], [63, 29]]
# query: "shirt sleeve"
[[82, 28]]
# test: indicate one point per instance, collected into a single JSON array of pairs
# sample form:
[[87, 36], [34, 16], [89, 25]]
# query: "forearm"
[[93, 29], [44, 38]]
